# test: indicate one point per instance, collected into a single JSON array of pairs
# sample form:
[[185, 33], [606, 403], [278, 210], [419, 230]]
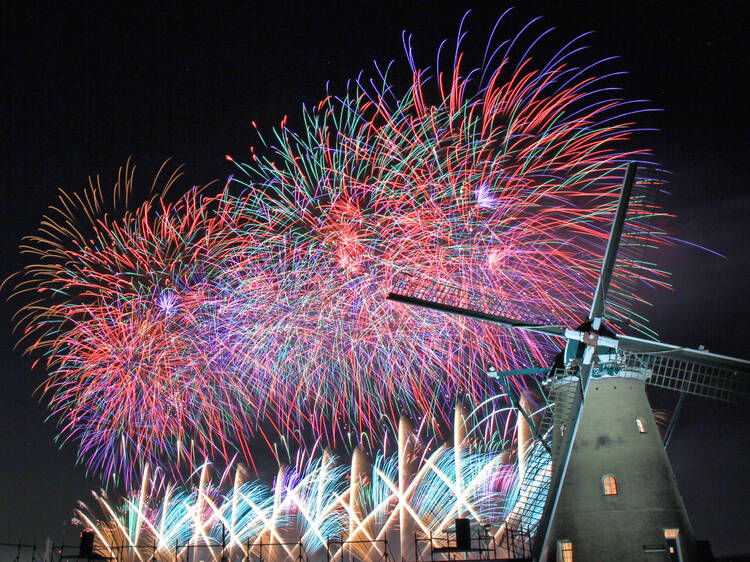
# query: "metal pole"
[[676, 413]]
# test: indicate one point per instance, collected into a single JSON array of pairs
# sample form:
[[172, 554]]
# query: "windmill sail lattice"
[[693, 377], [473, 302], [638, 229]]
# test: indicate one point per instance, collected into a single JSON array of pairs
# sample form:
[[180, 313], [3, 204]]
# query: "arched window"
[[641, 425], [564, 551], [609, 485]]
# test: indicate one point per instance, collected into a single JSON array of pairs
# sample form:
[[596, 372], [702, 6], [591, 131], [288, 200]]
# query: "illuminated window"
[[671, 533], [609, 484], [641, 425], [564, 551]]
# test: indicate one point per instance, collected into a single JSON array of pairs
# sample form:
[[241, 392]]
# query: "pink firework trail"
[[182, 330], [507, 181]]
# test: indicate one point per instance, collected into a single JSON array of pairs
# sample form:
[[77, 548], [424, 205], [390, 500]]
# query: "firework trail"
[[131, 328], [184, 329], [502, 177]]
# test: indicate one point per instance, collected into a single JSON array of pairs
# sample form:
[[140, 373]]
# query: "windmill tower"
[[611, 493]]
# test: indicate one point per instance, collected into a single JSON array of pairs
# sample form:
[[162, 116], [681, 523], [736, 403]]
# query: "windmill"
[[611, 493]]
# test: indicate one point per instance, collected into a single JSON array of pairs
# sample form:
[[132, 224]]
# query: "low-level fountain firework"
[[401, 504]]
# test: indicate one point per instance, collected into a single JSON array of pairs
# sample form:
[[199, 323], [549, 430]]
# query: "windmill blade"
[[635, 345], [630, 266], [471, 303], [698, 379], [615, 236], [692, 371]]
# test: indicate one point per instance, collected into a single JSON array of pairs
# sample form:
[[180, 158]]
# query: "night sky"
[[83, 89]]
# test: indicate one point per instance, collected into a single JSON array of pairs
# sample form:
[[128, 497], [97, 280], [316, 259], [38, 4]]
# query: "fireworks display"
[[174, 331], [319, 508], [129, 320], [507, 180]]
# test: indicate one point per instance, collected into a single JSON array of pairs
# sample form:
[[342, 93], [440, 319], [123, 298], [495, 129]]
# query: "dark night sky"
[[82, 89]]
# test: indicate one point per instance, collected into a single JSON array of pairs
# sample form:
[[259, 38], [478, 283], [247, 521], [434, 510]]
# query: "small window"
[[641, 425], [609, 485], [564, 551], [672, 543]]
